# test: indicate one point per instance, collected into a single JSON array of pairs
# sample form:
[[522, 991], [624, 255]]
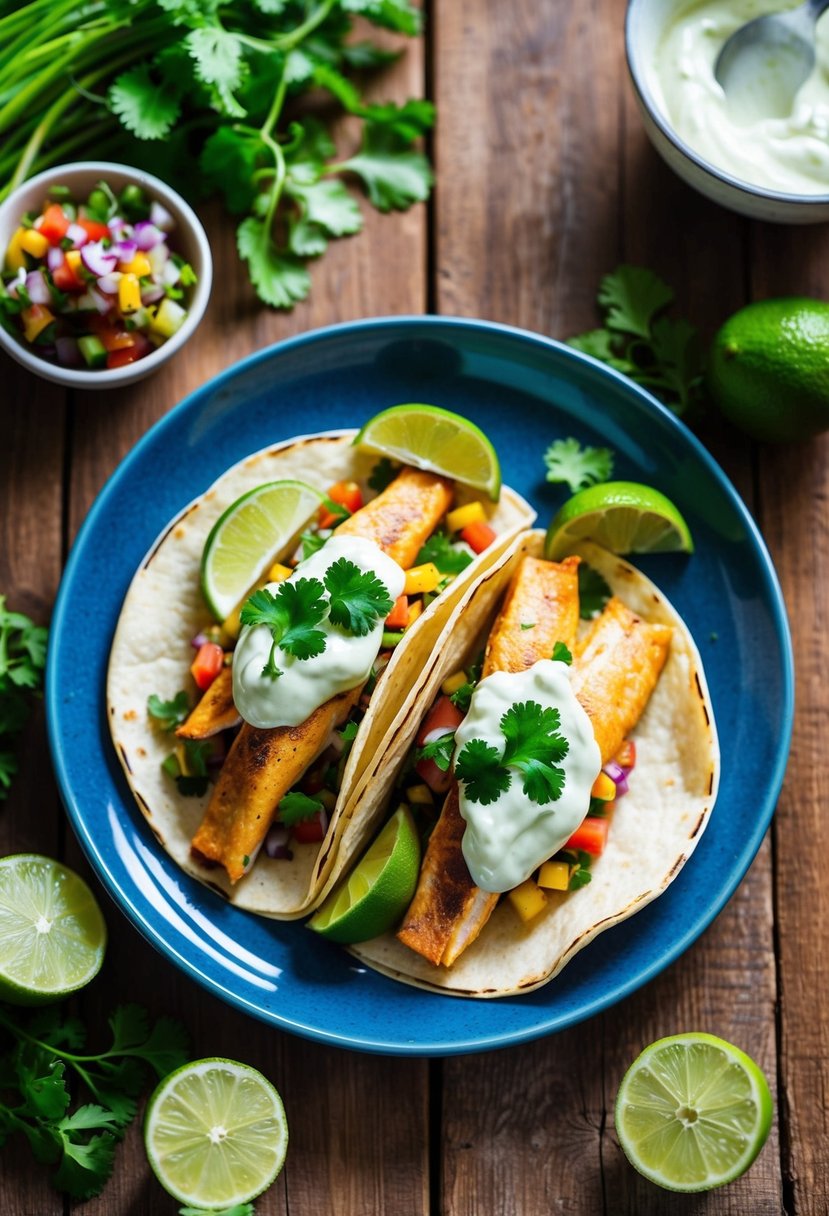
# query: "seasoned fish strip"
[[616, 672], [260, 768], [448, 910], [541, 607], [215, 711], [404, 515]]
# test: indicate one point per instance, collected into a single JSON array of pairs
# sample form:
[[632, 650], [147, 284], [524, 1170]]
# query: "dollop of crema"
[[305, 684], [788, 153], [505, 841]]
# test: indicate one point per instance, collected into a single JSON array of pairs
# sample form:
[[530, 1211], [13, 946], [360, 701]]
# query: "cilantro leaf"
[[561, 654], [400, 15], [383, 474], [358, 599], [532, 733], [393, 178], [291, 614], [146, 105], [280, 279], [296, 807], [441, 550], [632, 296], [594, 592], [479, 768], [678, 354], [87, 1162], [440, 750], [579, 466], [326, 209], [217, 56], [22, 662], [229, 160], [462, 696], [168, 714]]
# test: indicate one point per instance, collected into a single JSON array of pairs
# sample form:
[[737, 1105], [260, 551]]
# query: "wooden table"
[[545, 182]]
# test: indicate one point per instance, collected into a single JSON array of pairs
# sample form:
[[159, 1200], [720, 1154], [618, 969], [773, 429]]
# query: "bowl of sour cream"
[[767, 167]]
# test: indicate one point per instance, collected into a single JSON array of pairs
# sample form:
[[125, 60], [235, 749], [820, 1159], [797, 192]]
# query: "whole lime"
[[769, 368]]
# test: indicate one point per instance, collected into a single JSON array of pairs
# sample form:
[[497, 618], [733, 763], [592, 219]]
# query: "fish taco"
[[562, 767], [242, 739]]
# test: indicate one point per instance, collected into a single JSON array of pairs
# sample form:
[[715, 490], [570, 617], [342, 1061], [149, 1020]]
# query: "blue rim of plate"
[[399, 1021]]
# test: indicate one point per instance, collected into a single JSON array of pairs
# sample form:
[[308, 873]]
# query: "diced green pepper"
[[93, 351]]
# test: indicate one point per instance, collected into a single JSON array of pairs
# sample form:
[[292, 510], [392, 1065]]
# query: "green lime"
[[379, 888], [52, 932], [215, 1133], [248, 537], [432, 438], [693, 1112], [623, 516], [769, 368]]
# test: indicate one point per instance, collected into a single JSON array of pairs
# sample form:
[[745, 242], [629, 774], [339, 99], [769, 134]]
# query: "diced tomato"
[[311, 831], [112, 336], [346, 494], [434, 777], [478, 536], [122, 358], [65, 279], [398, 618], [93, 229], [443, 717], [590, 836], [626, 755], [54, 225], [210, 657]]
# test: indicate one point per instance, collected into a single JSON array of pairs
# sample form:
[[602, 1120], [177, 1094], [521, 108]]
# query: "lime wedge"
[[623, 516], [693, 1112], [52, 933], [379, 888], [435, 439], [215, 1134], [248, 537]]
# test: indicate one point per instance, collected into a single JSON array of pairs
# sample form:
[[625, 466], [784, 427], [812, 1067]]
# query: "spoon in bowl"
[[764, 63]]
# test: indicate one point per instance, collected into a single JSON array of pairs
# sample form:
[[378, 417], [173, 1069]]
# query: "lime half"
[[215, 1133], [248, 537], [693, 1112], [435, 439], [52, 932], [623, 516], [379, 889]]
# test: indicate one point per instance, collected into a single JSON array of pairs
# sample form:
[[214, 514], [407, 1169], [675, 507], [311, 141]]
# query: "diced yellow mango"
[[34, 242], [604, 787], [462, 517], [14, 252], [528, 900], [129, 294], [278, 573], [420, 795], [73, 260], [453, 683], [554, 875], [35, 320], [421, 579], [139, 266]]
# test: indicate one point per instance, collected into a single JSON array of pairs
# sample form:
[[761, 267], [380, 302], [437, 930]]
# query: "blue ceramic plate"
[[524, 391]]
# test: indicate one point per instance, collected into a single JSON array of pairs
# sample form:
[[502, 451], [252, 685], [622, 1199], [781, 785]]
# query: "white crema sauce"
[[305, 684], [788, 154], [509, 838]]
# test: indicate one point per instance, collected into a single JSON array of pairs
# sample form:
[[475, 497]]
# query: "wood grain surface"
[[545, 181]]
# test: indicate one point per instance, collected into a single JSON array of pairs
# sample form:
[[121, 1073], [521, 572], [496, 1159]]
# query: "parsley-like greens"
[[594, 592], [168, 714], [22, 662], [533, 746], [357, 599], [440, 750], [561, 654], [662, 354], [383, 474], [567, 461], [441, 550], [295, 807], [204, 94], [35, 1064]]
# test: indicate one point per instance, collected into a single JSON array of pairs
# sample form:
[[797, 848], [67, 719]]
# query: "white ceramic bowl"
[[189, 240], [644, 25]]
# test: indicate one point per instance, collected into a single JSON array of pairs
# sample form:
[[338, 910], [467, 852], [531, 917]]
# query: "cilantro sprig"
[[440, 750], [637, 339], [22, 663], [533, 746], [441, 550], [567, 461]]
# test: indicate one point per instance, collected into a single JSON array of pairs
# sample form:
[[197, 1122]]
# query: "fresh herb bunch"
[[38, 1056], [213, 89], [637, 339], [22, 663]]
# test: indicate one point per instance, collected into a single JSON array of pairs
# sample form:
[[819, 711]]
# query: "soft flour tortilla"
[[655, 826], [151, 653]]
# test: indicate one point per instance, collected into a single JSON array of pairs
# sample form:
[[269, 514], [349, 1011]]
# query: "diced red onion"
[[37, 288], [622, 787], [613, 770], [170, 274], [161, 217], [97, 300], [98, 260], [433, 735], [151, 295], [124, 251], [68, 351], [109, 283], [54, 257], [116, 224], [77, 235], [146, 235], [199, 640], [276, 842]]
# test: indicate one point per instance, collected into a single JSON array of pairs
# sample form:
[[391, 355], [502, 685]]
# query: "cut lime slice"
[[52, 932], [380, 886], [435, 439], [693, 1112], [248, 537], [623, 516], [215, 1133]]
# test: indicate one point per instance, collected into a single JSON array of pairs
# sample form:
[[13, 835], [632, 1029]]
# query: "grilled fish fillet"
[[262, 765], [215, 711]]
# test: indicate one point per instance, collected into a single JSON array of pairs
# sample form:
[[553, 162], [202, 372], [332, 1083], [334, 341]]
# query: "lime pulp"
[[622, 516]]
